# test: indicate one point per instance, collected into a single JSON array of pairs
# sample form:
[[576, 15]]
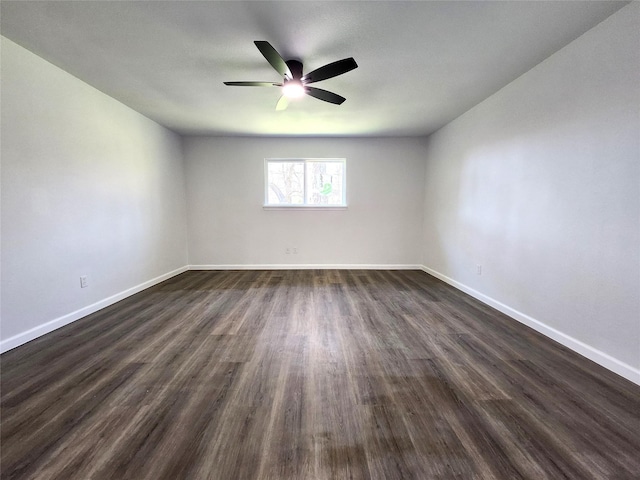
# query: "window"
[[305, 182]]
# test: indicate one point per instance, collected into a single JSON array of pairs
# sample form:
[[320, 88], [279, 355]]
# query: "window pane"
[[285, 183], [325, 183]]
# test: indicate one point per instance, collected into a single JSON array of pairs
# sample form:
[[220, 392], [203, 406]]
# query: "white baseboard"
[[308, 266], [601, 358], [56, 323]]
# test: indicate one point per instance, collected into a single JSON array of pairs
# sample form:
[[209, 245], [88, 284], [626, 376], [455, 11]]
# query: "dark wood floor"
[[310, 375]]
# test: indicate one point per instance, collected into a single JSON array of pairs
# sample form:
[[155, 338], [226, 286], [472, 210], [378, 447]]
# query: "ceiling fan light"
[[293, 89]]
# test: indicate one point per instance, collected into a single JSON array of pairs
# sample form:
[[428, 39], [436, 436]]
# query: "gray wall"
[[89, 187], [228, 225], [540, 185]]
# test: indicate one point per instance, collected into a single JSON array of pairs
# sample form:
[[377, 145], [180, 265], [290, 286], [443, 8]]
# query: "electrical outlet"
[[287, 250], [479, 269], [295, 250], [83, 281]]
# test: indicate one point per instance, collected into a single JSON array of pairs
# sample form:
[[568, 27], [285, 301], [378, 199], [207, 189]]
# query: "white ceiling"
[[421, 64]]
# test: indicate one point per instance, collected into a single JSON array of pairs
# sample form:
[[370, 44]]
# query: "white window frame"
[[304, 206]]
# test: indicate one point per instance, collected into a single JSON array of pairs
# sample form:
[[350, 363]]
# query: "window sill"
[[304, 207]]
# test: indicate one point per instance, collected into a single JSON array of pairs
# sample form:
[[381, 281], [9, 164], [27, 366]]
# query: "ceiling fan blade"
[[253, 84], [324, 95], [283, 103], [274, 58], [330, 70]]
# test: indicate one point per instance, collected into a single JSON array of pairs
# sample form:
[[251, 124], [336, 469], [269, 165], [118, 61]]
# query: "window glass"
[[285, 183], [324, 183], [305, 182]]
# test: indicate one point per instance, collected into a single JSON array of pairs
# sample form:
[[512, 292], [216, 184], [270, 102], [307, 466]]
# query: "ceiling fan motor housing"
[[295, 67]]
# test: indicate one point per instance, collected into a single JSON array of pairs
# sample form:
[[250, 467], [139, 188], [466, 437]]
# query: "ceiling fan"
[[294, 84]]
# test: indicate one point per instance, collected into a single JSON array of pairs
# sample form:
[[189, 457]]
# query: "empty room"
[[320, 240]]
